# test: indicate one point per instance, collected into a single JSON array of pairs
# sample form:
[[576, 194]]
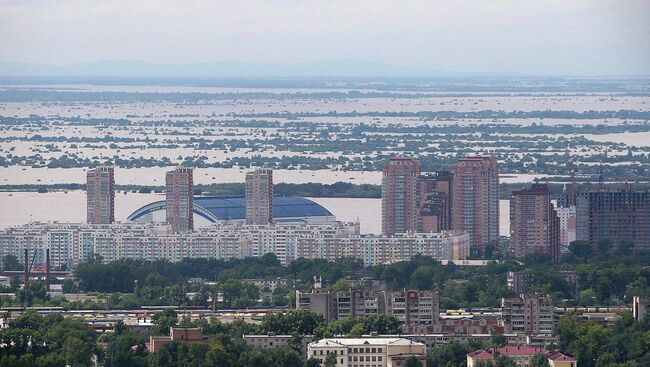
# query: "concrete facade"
[[399, 204], [614, 215], [179, 199], [475, 201], [534, 224], [259, 196], [532, 314], [434, 201], [100, 195]]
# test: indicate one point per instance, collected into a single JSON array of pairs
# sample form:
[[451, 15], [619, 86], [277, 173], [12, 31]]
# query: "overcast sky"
[[577, 37]]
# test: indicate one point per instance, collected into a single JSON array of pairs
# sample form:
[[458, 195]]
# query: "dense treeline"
[[455, 115], [33, 340], [627, 344], [600, 275], [604, 274]]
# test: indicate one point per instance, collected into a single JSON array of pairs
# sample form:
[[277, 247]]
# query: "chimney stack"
[[26, 267], [47, 269]]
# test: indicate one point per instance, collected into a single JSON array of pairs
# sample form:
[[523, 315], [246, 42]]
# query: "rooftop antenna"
[[600, 176]]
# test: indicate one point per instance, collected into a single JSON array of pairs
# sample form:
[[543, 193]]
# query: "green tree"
[[498, 340], [539, 360], [330, 360], [412, 362], [604, 245], [356, 331], [10, 262], [76, 352], [503, 361], [341, 285], [33, 292], [163, 321]]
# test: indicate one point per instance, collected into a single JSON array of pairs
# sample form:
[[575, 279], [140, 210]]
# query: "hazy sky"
[[534, 37]]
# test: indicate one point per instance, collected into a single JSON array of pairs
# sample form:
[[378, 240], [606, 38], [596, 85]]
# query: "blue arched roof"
[[234, 207]]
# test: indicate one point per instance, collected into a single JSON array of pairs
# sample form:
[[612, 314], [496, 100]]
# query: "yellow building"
[[367, 352]]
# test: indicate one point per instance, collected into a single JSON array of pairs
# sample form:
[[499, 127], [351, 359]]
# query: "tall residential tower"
[[399, 204], [259, 196], [534, 224], [434, 201], [179, 199], [617, 216], [475, 201], [100, 195]]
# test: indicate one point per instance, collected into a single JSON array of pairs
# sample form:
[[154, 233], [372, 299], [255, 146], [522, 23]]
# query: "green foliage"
[[301, 322], [450, 355], [592, 344], [33, 340], [539, 360], [163, 321], [412, 362], [10, 262], [34, 292]]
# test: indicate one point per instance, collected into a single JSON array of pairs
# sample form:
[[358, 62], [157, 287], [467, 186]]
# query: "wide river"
[[21, 207]]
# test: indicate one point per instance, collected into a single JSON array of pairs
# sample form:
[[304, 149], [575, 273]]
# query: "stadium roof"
[[215, 208]]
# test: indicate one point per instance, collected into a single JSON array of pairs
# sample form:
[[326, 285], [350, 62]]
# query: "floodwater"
[[70, 206], [155, 176]]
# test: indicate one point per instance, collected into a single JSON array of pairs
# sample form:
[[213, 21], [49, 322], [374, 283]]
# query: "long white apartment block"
[[73, 243]]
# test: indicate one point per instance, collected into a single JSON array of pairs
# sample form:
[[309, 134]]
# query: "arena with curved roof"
[[211, 209]]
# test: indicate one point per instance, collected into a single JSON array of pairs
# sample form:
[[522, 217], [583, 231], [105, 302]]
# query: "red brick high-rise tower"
[[399, 203], [179, 199], [100, 195], [475, 201]]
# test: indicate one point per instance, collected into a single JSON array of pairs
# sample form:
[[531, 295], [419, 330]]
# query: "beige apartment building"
[[100, 195], [434, 201], [367, 352], [179, 201], [399, 204], [531, 314], [475, 201], [419, 311], [259, 196], [534, 224]]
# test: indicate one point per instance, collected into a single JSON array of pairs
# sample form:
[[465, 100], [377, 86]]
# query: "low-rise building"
[[176, 334], [271, 340], [521, 355], [366, 352]]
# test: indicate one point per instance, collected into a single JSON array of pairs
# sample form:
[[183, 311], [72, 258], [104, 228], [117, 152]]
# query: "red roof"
[[521, 351], [481, 354], [556, 355], [512, 351]]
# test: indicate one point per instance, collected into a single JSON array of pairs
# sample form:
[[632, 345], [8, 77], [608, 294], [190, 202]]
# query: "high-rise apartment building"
[[259, 196], [534, 224], [434, 200], [567, 216], [614, 215], [100, 195], [531, 314], [399, 209], [179, 199], [475, 201]]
